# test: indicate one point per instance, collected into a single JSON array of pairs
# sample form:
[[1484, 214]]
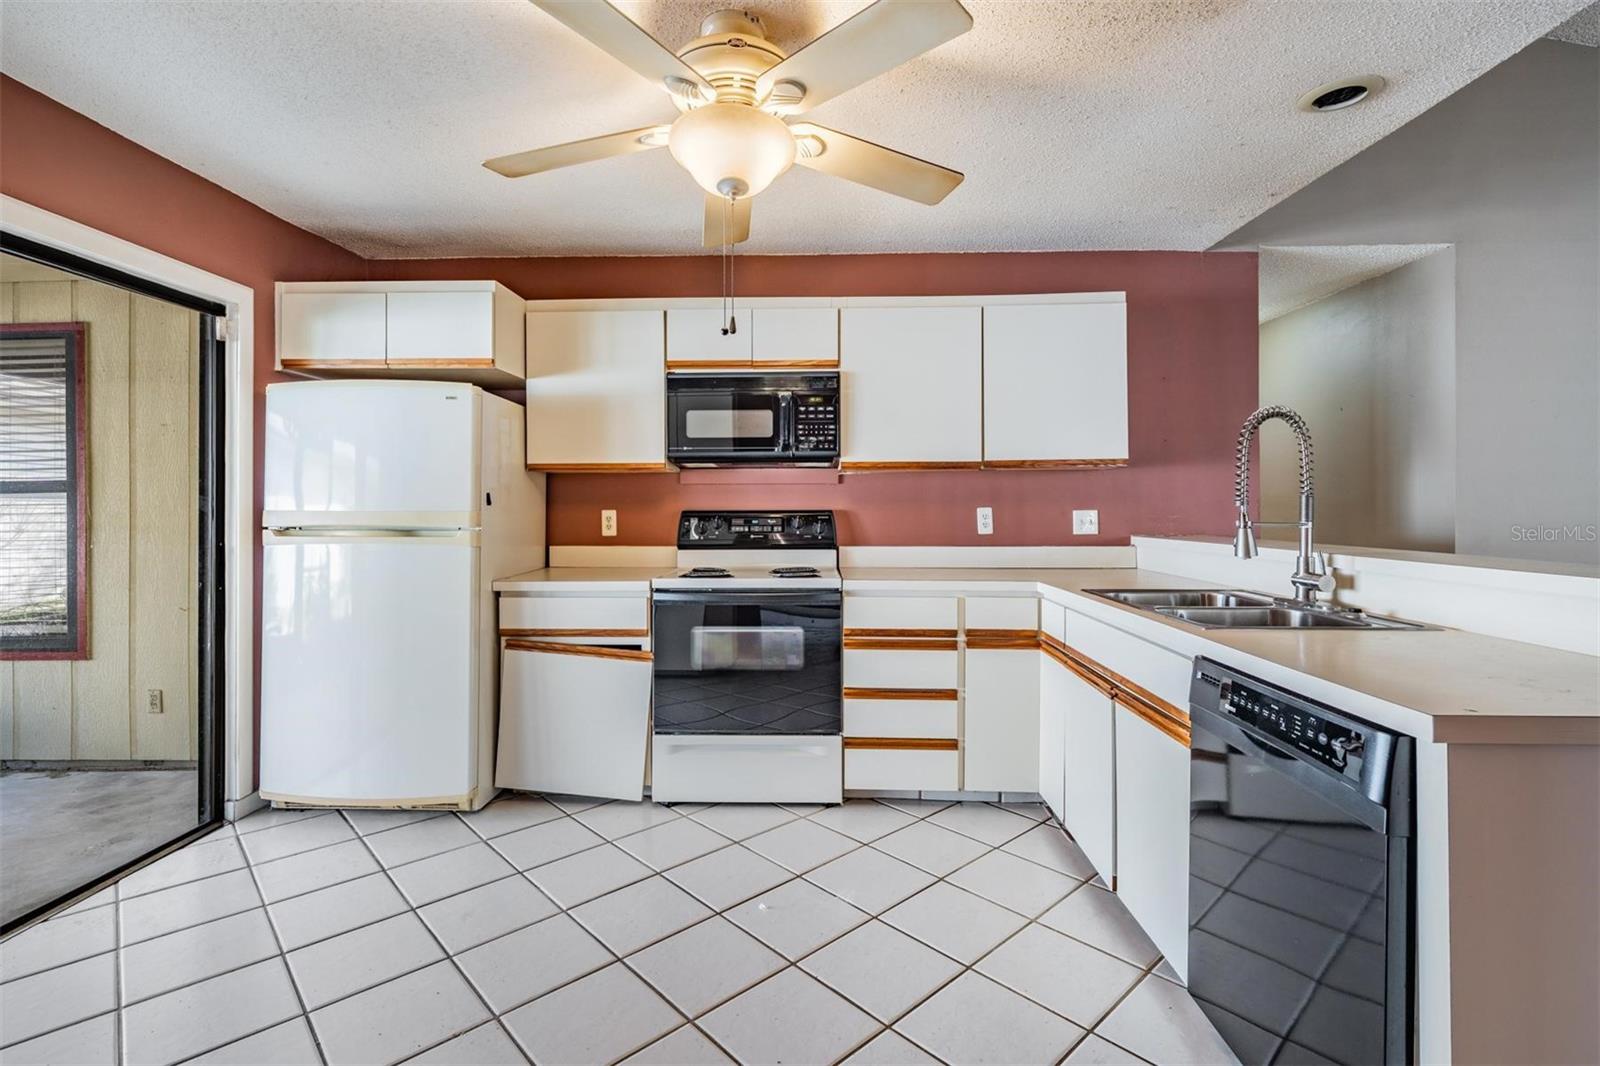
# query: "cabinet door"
[[430, 328], [1002, 720], [1152, 816], [695, 336], [573, 719], [1090, 772], [912, 380], [597, 390], [1052, 730], [1055, 383], [342, 328], [803, 336]]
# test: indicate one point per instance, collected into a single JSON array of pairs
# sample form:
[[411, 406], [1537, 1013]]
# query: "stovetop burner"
[[707, 571], [795, 571]]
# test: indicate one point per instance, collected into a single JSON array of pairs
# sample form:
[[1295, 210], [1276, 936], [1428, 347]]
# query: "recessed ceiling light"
[[1346, 92]]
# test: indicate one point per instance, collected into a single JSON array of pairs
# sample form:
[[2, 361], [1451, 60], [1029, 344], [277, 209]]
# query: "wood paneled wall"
[[143, 390]]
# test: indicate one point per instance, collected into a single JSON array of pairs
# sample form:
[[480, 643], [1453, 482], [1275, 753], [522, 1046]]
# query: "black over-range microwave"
[[771, 419]]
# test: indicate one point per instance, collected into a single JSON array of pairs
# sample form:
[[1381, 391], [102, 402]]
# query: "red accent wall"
[[1192, 338], [60, 160]]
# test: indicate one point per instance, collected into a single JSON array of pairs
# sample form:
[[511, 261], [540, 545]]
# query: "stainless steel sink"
[[1233, 609], [1158, 598]]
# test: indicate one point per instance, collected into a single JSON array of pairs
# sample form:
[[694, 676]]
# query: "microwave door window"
[[723, 421], [723, 425]]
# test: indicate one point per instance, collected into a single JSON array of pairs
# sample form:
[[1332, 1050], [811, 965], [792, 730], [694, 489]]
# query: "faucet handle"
[[1322, 569]]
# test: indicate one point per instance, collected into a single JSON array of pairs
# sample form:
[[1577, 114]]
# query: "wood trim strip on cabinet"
[[900, 694], [903, 743], [574, 632], [1173, 728], [868, 466], [600, 468], [1051, 464], [630, 654], [334, 364], [1002, 639], [897, 644], [948, 633], [475, 362]]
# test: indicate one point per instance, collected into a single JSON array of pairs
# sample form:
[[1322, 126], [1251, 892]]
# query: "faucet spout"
[[1311, 573]]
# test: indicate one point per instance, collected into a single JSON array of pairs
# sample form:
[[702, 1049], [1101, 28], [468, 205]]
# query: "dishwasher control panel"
[[1338, 747]]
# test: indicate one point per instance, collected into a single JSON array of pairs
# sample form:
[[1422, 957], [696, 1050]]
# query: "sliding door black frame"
[[212, 509]]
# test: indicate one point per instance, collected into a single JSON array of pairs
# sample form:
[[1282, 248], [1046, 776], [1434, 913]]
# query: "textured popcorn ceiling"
[[1292, 278], [1124, 124], [1582, 28]]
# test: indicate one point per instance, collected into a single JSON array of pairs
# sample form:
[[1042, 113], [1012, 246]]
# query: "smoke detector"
[[1337, 95]]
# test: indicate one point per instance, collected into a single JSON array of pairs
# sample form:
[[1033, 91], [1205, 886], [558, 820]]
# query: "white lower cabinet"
[[1002, 720], [574, 719], [900, 769], [1152, 833], [1089, 766], [1053, 679]]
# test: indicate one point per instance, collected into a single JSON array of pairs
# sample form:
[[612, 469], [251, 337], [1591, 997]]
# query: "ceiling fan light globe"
[[728, 145]]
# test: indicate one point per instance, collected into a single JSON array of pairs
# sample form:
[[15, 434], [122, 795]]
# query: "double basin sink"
[[1232, 609]]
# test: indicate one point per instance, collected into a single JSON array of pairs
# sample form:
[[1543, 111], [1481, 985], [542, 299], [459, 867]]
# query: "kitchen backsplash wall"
[[1192, 366]]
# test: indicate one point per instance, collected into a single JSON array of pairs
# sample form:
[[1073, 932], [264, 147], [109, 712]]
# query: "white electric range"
[[747, 636]]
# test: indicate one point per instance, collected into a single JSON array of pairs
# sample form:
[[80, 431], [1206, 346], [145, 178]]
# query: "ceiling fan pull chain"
[[733, 321], [727, 270]]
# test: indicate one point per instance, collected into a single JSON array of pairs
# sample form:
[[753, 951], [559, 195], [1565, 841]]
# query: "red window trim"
[[79, 432]]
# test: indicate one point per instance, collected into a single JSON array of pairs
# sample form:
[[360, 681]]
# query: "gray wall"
[[1372, 369], [1508, 171]]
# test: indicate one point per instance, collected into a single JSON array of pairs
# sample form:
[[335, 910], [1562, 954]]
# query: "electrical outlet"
[[153, 702], [1085, 523], [985, 521], [608, 523]]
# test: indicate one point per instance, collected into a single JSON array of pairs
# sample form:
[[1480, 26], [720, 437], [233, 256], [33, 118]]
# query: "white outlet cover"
[[608, 523], [1085, 523], [985, 521]]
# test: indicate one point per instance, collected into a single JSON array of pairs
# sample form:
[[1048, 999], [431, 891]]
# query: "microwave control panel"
[[816, 420]]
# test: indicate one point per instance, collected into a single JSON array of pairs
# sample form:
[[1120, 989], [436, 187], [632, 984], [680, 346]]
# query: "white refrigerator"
[[390, 508]]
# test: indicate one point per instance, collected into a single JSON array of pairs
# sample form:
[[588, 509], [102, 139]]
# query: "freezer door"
[[368, 677], [391, 454]]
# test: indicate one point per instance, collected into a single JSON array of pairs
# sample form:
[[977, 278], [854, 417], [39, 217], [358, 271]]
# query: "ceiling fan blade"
[[875, 39], [537, 160], [609, 29], [865, 163], [718, 214]]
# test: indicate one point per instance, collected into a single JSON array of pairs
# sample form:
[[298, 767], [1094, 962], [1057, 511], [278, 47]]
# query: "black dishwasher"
[[1301, 896]]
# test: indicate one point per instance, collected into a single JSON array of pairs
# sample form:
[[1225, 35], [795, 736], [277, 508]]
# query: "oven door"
[[1300, 907], [747, 663], [718, 423]]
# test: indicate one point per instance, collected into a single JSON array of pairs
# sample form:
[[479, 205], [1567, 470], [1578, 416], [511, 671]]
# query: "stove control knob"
[[697, 528]]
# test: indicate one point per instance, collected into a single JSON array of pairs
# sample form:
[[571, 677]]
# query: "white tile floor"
[[565, 931]]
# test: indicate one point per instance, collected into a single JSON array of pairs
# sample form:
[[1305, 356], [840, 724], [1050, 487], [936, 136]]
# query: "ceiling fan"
[[738, 93]]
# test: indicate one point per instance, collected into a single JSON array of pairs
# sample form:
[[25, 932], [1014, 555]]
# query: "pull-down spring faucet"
[[1312, 573]]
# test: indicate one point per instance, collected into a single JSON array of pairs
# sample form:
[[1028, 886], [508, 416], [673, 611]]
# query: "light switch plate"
[[985, 521], [608, 523], [1085, 523]]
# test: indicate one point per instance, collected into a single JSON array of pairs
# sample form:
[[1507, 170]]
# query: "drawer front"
[[901, 668], [883, 768], [574, 616], [1053, 620], [932, 616], [709, 769], [901, 718], [1002, 612]]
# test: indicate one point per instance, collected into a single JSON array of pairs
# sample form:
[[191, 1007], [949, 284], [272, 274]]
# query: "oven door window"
[[721, 421], [1289, 896], [747, 664]]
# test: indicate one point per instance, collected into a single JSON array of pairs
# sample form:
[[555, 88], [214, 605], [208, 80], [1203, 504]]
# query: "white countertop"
[[1439, 684]]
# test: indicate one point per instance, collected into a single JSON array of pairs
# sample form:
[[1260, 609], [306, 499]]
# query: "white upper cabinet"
[[795, 336], [1055, 383], [767, 338], [596, 390], [694, 335], [454, 330], [332, 327], [911, 380]]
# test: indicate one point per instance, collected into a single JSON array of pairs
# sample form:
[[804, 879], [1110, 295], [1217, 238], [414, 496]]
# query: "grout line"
[[116, 971], [283, 960]]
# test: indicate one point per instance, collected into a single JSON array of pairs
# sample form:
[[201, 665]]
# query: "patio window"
[[43, 539]]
